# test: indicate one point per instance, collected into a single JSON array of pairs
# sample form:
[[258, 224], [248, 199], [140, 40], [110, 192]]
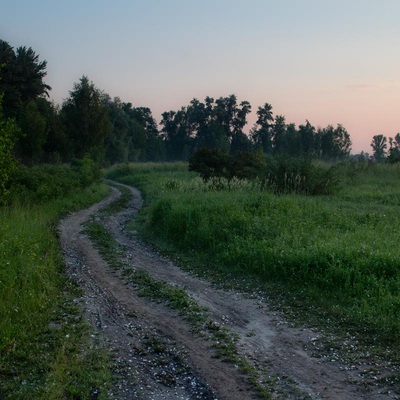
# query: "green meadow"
[[338, 252], [333, 257], [46, 350]]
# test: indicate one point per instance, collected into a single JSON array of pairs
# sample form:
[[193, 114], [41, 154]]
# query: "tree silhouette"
[[379, 146], [21, 77], [86, 120]]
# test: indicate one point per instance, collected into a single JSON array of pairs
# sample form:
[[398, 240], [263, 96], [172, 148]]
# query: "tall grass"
[[41, 330], [340, 251], [28, 255]]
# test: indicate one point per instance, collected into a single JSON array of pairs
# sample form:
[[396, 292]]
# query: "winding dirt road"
[[156, 353]]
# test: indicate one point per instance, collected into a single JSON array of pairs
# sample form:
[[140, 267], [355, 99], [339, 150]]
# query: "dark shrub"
[[210, 163], [247, 165], [46, 182], [299, 175]]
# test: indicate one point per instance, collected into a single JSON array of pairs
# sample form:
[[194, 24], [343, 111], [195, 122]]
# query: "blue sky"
[[326, 61]]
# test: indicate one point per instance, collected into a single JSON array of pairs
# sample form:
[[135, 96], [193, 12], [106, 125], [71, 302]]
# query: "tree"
[[225, 111], [8, 134], [265, 116], [379, 146], [278, 134], [201, 124], [204, 125], [136, 134], [240, 118], [262, 132], [394, 150], [21, 78], [118, 142], [57, 148], [307, 139], [154, 146], [86, 120], [8, 80], [292, 141], [30, 144], [335, 143], [210, 124], [231, 116], [21, 82], [175, 127], [145, 118], [240, 143], [30, 73]]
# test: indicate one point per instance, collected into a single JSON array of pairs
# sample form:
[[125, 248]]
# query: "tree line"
[[219, 124], [385, 149], [90, 123]]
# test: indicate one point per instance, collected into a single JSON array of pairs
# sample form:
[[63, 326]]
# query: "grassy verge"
[[331, 257], [45, 348]]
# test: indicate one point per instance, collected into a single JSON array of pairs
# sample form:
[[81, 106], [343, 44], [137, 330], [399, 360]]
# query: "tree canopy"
[[90, 123], [86, 119], [379, 146], [21, 77], [220, 124]]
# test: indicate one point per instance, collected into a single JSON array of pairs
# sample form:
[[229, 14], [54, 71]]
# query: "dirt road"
[[158, 355]]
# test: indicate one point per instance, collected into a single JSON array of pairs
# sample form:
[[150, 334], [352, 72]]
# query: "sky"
[[328, 62]]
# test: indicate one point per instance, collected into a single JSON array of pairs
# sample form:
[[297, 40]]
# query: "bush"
[[214, 164], [43, 183], [119, 171], [46, 182], [280, 174], [210, 163], [299, 175], [88, 170], [247, 165]]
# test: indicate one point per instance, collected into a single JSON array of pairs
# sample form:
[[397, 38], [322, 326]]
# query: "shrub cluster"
[[46, 182], [281, 175], [299, 175], [217, 163]]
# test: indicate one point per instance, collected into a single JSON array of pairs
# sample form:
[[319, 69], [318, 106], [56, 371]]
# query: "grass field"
[[333, 257], [45, 346], [338, 252]]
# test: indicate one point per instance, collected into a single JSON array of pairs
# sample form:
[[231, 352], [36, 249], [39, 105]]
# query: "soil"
[[158, 355]]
